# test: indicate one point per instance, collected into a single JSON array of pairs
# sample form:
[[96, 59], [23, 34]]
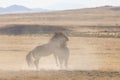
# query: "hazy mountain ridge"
[[20, 9], [23, 9], [114, 8]]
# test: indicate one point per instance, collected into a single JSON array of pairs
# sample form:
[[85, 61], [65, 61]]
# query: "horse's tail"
[[29, 58]]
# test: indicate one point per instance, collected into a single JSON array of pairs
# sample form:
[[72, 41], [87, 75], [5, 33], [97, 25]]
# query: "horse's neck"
[[54, 43]]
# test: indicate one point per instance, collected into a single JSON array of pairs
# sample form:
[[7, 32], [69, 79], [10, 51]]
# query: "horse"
[[62, 55], [57, 46]]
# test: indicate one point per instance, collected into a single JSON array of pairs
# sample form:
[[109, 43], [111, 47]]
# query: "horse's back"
[[42, 50]]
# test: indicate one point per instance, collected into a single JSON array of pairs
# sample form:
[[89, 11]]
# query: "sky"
[[59, 4]]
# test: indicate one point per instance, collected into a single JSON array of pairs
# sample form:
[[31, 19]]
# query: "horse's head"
[[59, 39], [61, 35]]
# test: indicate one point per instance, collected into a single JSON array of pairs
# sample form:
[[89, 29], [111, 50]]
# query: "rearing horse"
[[56, 46]]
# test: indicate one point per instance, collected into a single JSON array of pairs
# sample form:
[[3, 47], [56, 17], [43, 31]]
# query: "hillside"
[[104, 20], [90, 16]]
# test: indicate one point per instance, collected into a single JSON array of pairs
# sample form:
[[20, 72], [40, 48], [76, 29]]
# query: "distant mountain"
[[116, 8], [113, 8], [20, 9], [17, 8], [1, 8], [23, 9]]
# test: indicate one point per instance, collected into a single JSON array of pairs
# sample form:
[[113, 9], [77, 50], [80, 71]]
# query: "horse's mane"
[[58, 35], [58, 39]]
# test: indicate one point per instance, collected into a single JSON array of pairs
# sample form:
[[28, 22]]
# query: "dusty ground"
[[91, 58], [59, 75], [85, 53]]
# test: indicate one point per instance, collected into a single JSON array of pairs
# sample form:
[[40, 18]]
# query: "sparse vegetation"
[[94, 44]]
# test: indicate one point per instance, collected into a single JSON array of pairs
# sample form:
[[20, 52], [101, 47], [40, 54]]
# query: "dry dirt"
[[59, 75], [91, 58]]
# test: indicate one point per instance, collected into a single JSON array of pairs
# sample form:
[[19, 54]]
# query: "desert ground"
[[59, 75], [94, 43]]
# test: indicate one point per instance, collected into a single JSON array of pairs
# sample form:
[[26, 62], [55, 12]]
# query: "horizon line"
[[63, 9]]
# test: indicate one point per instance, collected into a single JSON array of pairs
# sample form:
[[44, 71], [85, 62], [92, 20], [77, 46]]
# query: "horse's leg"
[[61, 62], [66, 58], [66, 63], [56, 60], [36, 63]]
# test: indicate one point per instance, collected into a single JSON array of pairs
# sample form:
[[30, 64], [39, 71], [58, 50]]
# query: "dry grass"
[[97, 53], [86, 22], [86, 52], [87, 17]]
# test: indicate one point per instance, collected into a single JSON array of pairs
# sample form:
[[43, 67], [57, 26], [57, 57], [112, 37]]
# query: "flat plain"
[[94, 44]]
